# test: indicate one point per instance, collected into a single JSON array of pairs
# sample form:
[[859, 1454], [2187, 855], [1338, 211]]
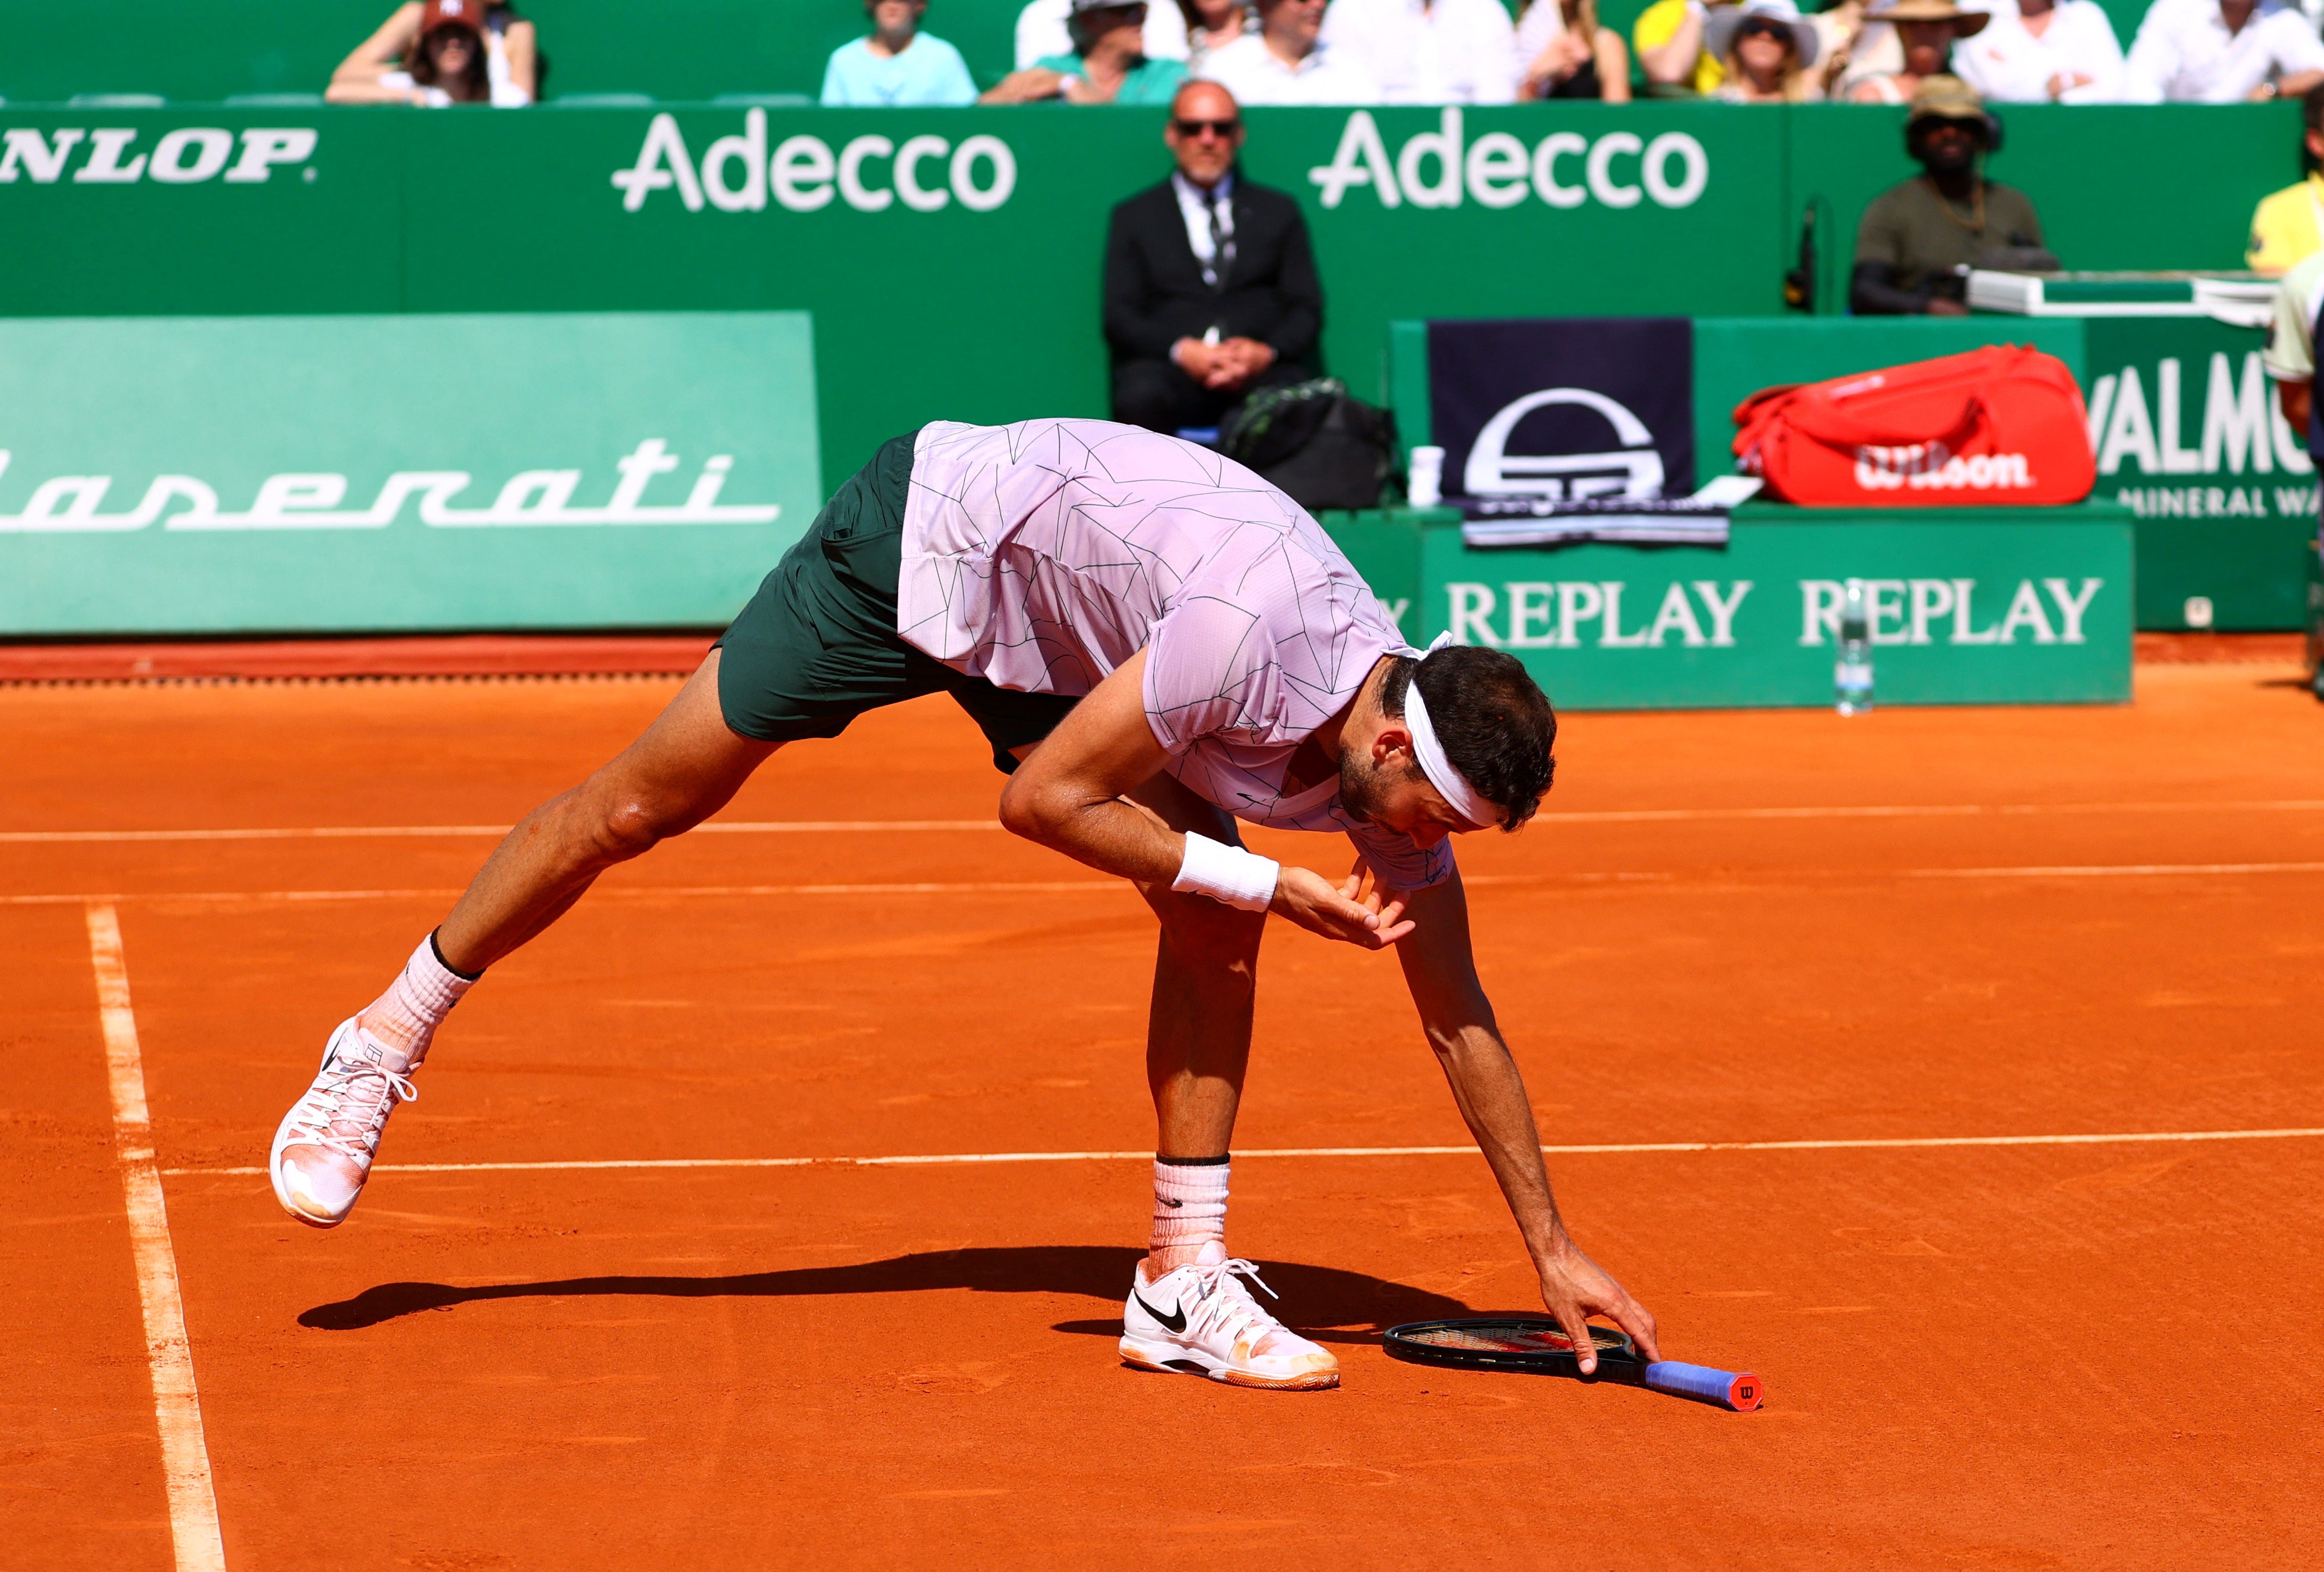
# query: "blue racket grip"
[[1729, 1389]]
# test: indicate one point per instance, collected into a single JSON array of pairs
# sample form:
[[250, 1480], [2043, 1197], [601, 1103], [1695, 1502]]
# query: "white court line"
[[619, 892], [953, 1158], [423, 831], [177, 1406], [2115, 869], [1725, 877], [877, 826]]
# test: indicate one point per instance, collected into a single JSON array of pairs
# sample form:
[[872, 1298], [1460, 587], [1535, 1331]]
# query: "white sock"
[[404, 1020], [1190, 1211]]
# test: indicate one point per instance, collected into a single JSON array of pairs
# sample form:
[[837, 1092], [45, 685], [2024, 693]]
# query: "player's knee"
[[629, 827]]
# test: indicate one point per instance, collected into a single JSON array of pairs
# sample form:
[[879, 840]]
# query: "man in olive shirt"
[[1914, 234]]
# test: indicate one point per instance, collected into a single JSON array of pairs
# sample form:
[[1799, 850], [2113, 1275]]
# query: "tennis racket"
[[1538, 1344]]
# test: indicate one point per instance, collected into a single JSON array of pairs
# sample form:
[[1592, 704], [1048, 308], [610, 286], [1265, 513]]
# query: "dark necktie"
[[1223, 247]]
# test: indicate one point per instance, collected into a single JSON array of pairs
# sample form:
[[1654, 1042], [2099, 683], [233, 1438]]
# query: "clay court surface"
[[1769, 927]]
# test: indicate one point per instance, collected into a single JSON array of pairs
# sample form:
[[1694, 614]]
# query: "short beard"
[[1363, 786]]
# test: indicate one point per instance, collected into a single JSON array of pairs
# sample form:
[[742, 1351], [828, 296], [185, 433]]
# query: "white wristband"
[[1243, 880]]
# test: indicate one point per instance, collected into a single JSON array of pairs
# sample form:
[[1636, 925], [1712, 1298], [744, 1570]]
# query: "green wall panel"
[[397, 472], [2013, 606], [2116, 186], [2189, 437]]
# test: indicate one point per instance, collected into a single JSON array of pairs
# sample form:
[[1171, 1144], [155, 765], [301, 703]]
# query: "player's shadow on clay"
[[1324, 1303]]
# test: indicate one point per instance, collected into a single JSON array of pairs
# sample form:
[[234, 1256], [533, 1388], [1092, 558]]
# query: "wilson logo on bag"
[[2000, 425]]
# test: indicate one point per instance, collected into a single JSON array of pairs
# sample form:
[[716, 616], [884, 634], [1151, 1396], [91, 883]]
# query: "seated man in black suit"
[[1210, 290]]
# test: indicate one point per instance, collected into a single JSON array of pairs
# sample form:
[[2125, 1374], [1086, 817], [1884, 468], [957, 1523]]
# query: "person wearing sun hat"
[[1927, 30], [1766, 51], [1915, 235]]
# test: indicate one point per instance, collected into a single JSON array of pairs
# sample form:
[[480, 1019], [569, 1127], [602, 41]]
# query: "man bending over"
[[1157, 643]]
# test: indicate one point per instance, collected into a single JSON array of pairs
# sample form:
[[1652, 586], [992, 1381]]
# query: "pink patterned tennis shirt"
[[1041, 555]]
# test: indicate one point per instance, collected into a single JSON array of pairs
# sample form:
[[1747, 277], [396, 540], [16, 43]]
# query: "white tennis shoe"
[[1201, 1320], [322, 1153]]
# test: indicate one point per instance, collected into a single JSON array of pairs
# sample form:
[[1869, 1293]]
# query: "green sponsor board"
[[952, 257], [278, 474], [2003, 606], [2189, 437]]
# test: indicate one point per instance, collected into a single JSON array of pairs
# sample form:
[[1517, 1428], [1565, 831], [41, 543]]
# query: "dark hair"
[[2311, 115], [1490, 717], [472, 85]]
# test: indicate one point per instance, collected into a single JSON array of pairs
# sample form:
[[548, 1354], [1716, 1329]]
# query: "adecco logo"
[[736, 175], [1498, 170], [185, 157]]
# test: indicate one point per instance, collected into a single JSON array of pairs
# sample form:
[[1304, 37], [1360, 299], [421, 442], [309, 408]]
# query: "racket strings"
[[1514, 1339]]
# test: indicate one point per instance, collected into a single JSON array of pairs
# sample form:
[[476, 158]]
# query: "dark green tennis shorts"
[[816, 646]]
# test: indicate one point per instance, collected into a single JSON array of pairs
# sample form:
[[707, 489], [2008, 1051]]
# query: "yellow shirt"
[[2287, 225], [1658, 24]]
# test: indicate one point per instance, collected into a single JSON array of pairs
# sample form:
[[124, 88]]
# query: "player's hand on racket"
[[1321, 907], [1575, 1288]]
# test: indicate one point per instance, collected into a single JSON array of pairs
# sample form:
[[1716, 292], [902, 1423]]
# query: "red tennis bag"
[[2000, 425]]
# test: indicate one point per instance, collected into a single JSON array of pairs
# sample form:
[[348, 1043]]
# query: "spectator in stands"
[[2222, 51], [1429, 51], [1766, 51], [1286, 63], [2039, 51], [2288, 225], [1843, 40], [1668, 37], [1211, 26], [1210, 290], [898, 65], [1568, 55], [1108, 64], [1043, 29], [1928, 30], [443, 52], [1916, 234]]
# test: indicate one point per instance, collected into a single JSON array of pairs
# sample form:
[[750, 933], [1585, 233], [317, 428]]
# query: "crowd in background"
[[439, 52]]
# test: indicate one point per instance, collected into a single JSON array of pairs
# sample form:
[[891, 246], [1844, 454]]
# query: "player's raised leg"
[[683, 768], [1190, 1307]]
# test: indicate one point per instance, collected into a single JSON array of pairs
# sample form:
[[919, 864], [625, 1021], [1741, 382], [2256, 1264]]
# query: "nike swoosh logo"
[[1176, 1322]]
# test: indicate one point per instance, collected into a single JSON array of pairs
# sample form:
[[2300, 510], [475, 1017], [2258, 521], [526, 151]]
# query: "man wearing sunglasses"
[[1210, 290]]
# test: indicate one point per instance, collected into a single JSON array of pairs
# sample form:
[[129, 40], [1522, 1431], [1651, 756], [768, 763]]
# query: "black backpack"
[[1322, 448]]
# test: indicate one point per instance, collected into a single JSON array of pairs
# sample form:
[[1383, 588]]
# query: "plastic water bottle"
[[1852, 676]]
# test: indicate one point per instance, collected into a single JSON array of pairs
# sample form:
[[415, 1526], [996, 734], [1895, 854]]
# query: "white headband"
[[1449, 783]]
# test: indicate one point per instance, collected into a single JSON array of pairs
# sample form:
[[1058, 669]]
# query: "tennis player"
[[1157, 643]]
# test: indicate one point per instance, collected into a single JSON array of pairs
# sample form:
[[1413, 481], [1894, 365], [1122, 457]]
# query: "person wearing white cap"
[[1157, 644]]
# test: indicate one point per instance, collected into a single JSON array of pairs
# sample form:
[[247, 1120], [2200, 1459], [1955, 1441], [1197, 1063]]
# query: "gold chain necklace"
[[1975, 223]]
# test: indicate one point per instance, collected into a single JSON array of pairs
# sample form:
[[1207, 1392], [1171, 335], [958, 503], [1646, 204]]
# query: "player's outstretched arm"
[[1071, 793], [1442, 974]]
